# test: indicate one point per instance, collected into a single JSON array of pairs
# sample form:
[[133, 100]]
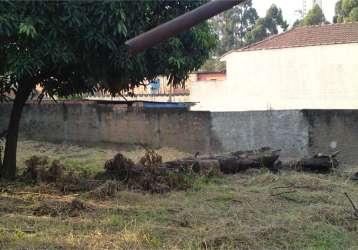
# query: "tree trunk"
[[8, 170], [231, 163]]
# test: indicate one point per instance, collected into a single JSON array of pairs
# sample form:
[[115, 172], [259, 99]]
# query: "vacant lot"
[[252, 210]]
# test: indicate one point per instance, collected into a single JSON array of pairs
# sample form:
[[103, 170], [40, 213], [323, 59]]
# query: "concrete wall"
[[315, 77], [297, 133], [112, 123], [332, 130], [287, 130]]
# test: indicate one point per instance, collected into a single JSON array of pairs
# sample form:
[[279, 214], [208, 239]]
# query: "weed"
[[229, 212]]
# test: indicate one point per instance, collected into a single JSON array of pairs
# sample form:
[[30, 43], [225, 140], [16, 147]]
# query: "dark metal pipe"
[[179, 24]]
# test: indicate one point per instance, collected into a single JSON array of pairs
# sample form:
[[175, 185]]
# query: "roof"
[[327, 34], [210, 72]]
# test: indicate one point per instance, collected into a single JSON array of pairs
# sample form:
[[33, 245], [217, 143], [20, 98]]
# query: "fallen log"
[[226, 164], [233, 164], [239, 161], [122, 168], [319, 163], [355, 177]]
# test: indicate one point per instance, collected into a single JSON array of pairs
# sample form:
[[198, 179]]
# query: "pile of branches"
[[231, 163], [40, 169], [149, 174], [154, 175]]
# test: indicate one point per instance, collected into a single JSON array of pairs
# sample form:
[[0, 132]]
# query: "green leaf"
[[27, 29]]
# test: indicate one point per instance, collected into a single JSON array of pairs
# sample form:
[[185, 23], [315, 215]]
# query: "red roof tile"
[[309, 36]]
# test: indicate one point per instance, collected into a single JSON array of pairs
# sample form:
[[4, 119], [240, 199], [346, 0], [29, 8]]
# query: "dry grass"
[[253, 210], [89, 158]]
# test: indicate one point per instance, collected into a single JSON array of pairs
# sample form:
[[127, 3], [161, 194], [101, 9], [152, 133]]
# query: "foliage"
[[241, 26], [267, 26], [346, 11], [233, 24], [314, 17], [297, 23], [213, 65], [75, 47]]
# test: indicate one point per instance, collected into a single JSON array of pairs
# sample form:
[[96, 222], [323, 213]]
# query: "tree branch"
[[352, 203]]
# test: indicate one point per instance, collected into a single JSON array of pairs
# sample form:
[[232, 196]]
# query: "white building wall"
[[316, 77], [207, 95]]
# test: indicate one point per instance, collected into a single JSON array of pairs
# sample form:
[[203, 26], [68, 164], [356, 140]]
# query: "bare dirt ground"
[[251, 210]]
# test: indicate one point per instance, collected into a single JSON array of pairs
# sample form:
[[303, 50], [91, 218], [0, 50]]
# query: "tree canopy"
[[72, 47], [267, 26], [241, 26], [232, 26], [314, 17], [346, 11]]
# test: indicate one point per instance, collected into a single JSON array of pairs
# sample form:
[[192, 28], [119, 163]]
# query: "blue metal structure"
[[164, 105], [154, 84]]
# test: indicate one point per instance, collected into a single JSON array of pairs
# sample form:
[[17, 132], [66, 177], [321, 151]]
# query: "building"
[[206, 89], [159, 90], [211, 76], [197, 90], [305, 68]]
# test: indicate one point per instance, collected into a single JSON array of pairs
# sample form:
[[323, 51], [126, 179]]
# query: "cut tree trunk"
[[207, 165], [319, 163], [243, 160], [355, 177], [233, 164], [8, 169]]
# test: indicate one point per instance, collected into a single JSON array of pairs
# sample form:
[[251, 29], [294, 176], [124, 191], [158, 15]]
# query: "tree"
[[74, 47], [346, 11], [233, 24], [314, 17], [297, 23], [213, 65], [267, 26]]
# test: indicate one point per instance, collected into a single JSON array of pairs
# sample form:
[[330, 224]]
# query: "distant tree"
[[213, 64], [297, 23], [346, 11], [74, 47], [232, 26], [314, 17], [266, 26]]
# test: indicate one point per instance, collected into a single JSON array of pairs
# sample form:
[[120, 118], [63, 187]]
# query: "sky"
[[290, 6]]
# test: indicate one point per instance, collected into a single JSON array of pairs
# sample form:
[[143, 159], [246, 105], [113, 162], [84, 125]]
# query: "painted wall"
[[202, 88], [211, 76], [206, 95], [297, 133], [316, 77]]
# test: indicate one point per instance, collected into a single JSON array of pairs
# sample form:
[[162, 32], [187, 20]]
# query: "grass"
[[90, 158], [252, 210]]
